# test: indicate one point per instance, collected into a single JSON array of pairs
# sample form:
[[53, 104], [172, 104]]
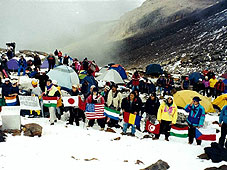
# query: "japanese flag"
[[71, 101]]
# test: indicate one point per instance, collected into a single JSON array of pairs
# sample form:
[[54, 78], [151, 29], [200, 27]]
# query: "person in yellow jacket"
[[212, 81], [167, 116], [59, 102]]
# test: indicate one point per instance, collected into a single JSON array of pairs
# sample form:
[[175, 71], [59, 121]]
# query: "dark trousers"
[[165, 127], [206, 91], [191, 135], [74, 116], [101, 122], [218, 93], [113, 123], [51, 66], [223, 135], [212, 92]]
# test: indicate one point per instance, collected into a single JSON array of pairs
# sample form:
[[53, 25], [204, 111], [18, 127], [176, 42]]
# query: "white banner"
[[71, 101], [29, 102]]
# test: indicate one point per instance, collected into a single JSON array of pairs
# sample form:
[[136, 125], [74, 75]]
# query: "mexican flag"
[[181, 132], [111, 113], [49, 101]]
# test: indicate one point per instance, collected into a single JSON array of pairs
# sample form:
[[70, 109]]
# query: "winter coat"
[[135, 80], [59, 102], [185, 84], [151, 106], [220, 86], [98, 100], [114, 100], [66, 60], [52, 92], [169, 83], [13, 90], [51, 59], [130, 107], [167, 113], [36, 91], [6, 89], [161, 82], [37, 61], [22, 62], [196, 115], [223, 115], [206, 83], [213, 82]]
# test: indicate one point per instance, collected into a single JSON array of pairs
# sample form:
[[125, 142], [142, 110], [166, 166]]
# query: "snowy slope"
[[62, 147]]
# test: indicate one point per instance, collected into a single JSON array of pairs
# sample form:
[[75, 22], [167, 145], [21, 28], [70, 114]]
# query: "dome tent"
[[111, 76], [154, 69], [64, 75]]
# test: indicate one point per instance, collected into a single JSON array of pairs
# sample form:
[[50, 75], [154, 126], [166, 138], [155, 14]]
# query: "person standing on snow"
[[51, 61], [167, 116], [195, 118], [22, 65], [135, 81], [223, 125]]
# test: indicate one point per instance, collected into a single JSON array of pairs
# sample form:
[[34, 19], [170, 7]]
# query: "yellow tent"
[[220, 101], [184, 97]]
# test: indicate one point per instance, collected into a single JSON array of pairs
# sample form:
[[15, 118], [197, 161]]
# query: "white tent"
[[64, 75], [111, 75]]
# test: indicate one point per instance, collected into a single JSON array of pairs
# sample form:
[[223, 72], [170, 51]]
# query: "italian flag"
[[111, 113], [181, 132], [49, 101]]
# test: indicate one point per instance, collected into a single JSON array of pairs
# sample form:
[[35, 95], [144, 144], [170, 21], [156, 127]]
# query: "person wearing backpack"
[[51, 61]]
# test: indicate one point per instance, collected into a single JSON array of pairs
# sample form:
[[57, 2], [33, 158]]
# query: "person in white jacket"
[[114, 100]]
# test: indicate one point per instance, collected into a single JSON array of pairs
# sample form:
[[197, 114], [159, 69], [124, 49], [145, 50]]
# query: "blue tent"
[[225, 81], [12, 64], [120, 70], [194, 77], [154, 69], [91, 81], [45, 64]]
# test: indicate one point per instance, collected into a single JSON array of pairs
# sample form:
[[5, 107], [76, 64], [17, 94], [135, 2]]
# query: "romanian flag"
[[132, 119], [181, 132], [111, 113], [11, 101], [50, 101], [205, 134]]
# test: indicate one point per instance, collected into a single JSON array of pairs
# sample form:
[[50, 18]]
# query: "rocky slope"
[[197, 42]]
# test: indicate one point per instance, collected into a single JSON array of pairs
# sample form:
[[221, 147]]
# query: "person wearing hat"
[[36, 91], [114, 100], [59, 108], [185, 83], [22, 65], [195, 118], [96, 98], [6, 88], [151, 107], [223, 125], [167, 116], [51, 91], [206, 83]]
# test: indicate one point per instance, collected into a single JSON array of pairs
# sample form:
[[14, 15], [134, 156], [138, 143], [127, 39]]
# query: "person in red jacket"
[[135, 81], [96, 98], [220, 87]]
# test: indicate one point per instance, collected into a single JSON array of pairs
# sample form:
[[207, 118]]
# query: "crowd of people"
[[164, 111]]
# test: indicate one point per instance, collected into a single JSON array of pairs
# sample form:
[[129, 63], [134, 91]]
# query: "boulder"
[[223, 167], [159, 165], [32, 129], [110, 130]]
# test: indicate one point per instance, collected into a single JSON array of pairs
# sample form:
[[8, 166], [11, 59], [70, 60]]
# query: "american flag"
[[94, 111]]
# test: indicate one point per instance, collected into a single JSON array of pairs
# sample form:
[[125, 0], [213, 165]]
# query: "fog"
[[46, 25]]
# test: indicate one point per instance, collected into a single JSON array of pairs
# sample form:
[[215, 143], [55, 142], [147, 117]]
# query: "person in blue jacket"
[[223, 125], [195, 118], [6, 88], [22, 65]]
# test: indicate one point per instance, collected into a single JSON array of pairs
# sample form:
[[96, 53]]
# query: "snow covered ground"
[[67, 147]]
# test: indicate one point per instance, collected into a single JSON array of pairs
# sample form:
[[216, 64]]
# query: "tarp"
[[184, 97], [194, 77], [220, 101], [64, 75], [12, 64], [45, 64], [120, 70], [111, 76], [154, 69]]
